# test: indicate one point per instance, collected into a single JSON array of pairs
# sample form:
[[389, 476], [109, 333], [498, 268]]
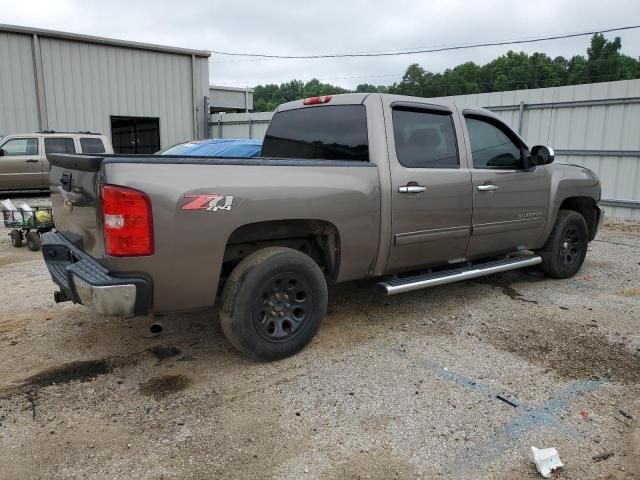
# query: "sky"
[[295, 27]]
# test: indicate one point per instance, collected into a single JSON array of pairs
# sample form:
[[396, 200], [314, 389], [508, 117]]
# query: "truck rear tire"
[[273, 303], [566, 247]]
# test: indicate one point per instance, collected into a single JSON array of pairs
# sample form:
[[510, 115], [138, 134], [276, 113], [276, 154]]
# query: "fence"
[[596, 125], [239, 125]]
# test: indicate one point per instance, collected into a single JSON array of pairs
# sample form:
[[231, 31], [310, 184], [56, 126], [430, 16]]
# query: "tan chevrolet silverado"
[[412, 191]]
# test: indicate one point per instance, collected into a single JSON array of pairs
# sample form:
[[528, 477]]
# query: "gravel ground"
[[455, 382]]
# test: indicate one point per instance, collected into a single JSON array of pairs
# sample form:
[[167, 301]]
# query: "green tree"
[[368, 88], [511, 71]]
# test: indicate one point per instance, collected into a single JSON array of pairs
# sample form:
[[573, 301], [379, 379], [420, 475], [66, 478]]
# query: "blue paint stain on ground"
[[529, 417]]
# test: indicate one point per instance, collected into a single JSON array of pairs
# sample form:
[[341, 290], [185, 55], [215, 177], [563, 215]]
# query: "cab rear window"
[[336, 132]]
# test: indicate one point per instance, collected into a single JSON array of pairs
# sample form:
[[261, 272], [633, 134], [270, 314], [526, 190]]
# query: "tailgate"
[[74, 182]]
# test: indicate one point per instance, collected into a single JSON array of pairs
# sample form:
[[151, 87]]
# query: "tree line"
[[511, 71]]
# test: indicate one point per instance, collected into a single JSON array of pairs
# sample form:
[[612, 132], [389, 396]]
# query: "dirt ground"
[[457, 381]]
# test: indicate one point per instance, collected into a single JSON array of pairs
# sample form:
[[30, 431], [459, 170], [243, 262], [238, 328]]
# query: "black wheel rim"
[[282, 307], [571, 246]]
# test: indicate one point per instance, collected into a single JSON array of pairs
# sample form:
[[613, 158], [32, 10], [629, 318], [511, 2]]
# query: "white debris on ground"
[[547, 460]]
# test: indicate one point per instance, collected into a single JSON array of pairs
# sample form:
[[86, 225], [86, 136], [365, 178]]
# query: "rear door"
[[21, 165], [431, 186], [509, 201]]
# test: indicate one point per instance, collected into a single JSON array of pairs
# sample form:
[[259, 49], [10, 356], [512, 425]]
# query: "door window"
[[92, 145], [425, 139], [21, 146], [135, 134], [59, 145], [491, 146]]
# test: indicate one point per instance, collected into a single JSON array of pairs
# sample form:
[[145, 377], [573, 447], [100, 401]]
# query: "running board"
[[407, 284]]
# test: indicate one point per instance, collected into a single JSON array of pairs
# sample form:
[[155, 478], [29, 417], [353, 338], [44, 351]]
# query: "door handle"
[[487, 188], [32, 161], [411, 189]]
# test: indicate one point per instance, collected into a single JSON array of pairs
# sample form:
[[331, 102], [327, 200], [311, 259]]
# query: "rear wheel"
[[33, 241], [273, 303], [566, 247], [16, 238]]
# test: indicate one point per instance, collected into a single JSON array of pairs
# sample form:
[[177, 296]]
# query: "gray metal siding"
[[239, 125], [201, 91], [86, 84], [18, 105]]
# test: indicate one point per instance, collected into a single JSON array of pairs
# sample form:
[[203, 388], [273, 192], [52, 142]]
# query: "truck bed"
[[189, 243]]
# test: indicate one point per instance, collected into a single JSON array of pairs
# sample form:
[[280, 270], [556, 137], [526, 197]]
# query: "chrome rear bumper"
[[82, 279], [107, 299]]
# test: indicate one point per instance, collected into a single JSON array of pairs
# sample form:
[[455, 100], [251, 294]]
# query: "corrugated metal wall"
[[239, 125], [595, 125], [83, 84], [18, 106]]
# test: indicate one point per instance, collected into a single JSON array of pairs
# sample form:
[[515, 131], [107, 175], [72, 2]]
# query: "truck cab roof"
[[359, 98]]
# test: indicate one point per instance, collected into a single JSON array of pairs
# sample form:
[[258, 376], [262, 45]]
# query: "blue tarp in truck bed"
[[234, 148]]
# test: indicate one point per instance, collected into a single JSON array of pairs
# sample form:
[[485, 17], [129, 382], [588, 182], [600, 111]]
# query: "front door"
[[431, 187], [21, 167], [509, 202]]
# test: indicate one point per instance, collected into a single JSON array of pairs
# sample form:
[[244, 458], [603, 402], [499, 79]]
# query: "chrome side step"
[[401, 285]]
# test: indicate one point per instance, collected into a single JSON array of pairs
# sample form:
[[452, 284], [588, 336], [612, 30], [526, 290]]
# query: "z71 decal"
[[211, 202]]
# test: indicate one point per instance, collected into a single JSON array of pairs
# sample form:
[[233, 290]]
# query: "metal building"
[[142, 96], [230, 99]]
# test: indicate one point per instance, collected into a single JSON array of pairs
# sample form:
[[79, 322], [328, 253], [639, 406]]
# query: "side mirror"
[[1, 152], [542, 155]]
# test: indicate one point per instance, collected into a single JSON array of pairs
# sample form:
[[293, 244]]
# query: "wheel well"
[[585, 206], [316, 238]]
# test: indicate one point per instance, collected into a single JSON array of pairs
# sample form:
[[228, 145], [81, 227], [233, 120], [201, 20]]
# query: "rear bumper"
[[84, 280]]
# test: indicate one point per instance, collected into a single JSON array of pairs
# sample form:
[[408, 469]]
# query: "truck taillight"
[[317, 100], [127, 222]]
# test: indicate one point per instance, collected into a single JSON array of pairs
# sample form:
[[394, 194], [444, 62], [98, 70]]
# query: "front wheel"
[[273, 303], [566, 247]]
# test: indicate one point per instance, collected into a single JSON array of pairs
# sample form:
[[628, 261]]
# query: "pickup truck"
[[412, 191]]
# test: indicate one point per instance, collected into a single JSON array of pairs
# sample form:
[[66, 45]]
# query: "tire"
[[566, 247], [273, 302], [33, 241], [16, 238]]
